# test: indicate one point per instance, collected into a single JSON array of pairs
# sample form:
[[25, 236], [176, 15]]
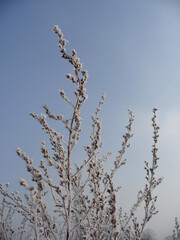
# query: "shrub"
[[176, 231], [83, 201]]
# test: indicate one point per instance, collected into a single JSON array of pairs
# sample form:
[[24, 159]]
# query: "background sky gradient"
[[131, 50]]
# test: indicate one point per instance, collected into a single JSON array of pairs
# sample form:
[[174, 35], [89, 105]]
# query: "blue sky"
[[131, 51]]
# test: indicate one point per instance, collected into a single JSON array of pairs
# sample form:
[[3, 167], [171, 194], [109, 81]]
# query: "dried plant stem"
[[81, 202]]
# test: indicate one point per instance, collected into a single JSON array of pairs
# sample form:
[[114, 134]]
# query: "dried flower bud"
[[23, 182]]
